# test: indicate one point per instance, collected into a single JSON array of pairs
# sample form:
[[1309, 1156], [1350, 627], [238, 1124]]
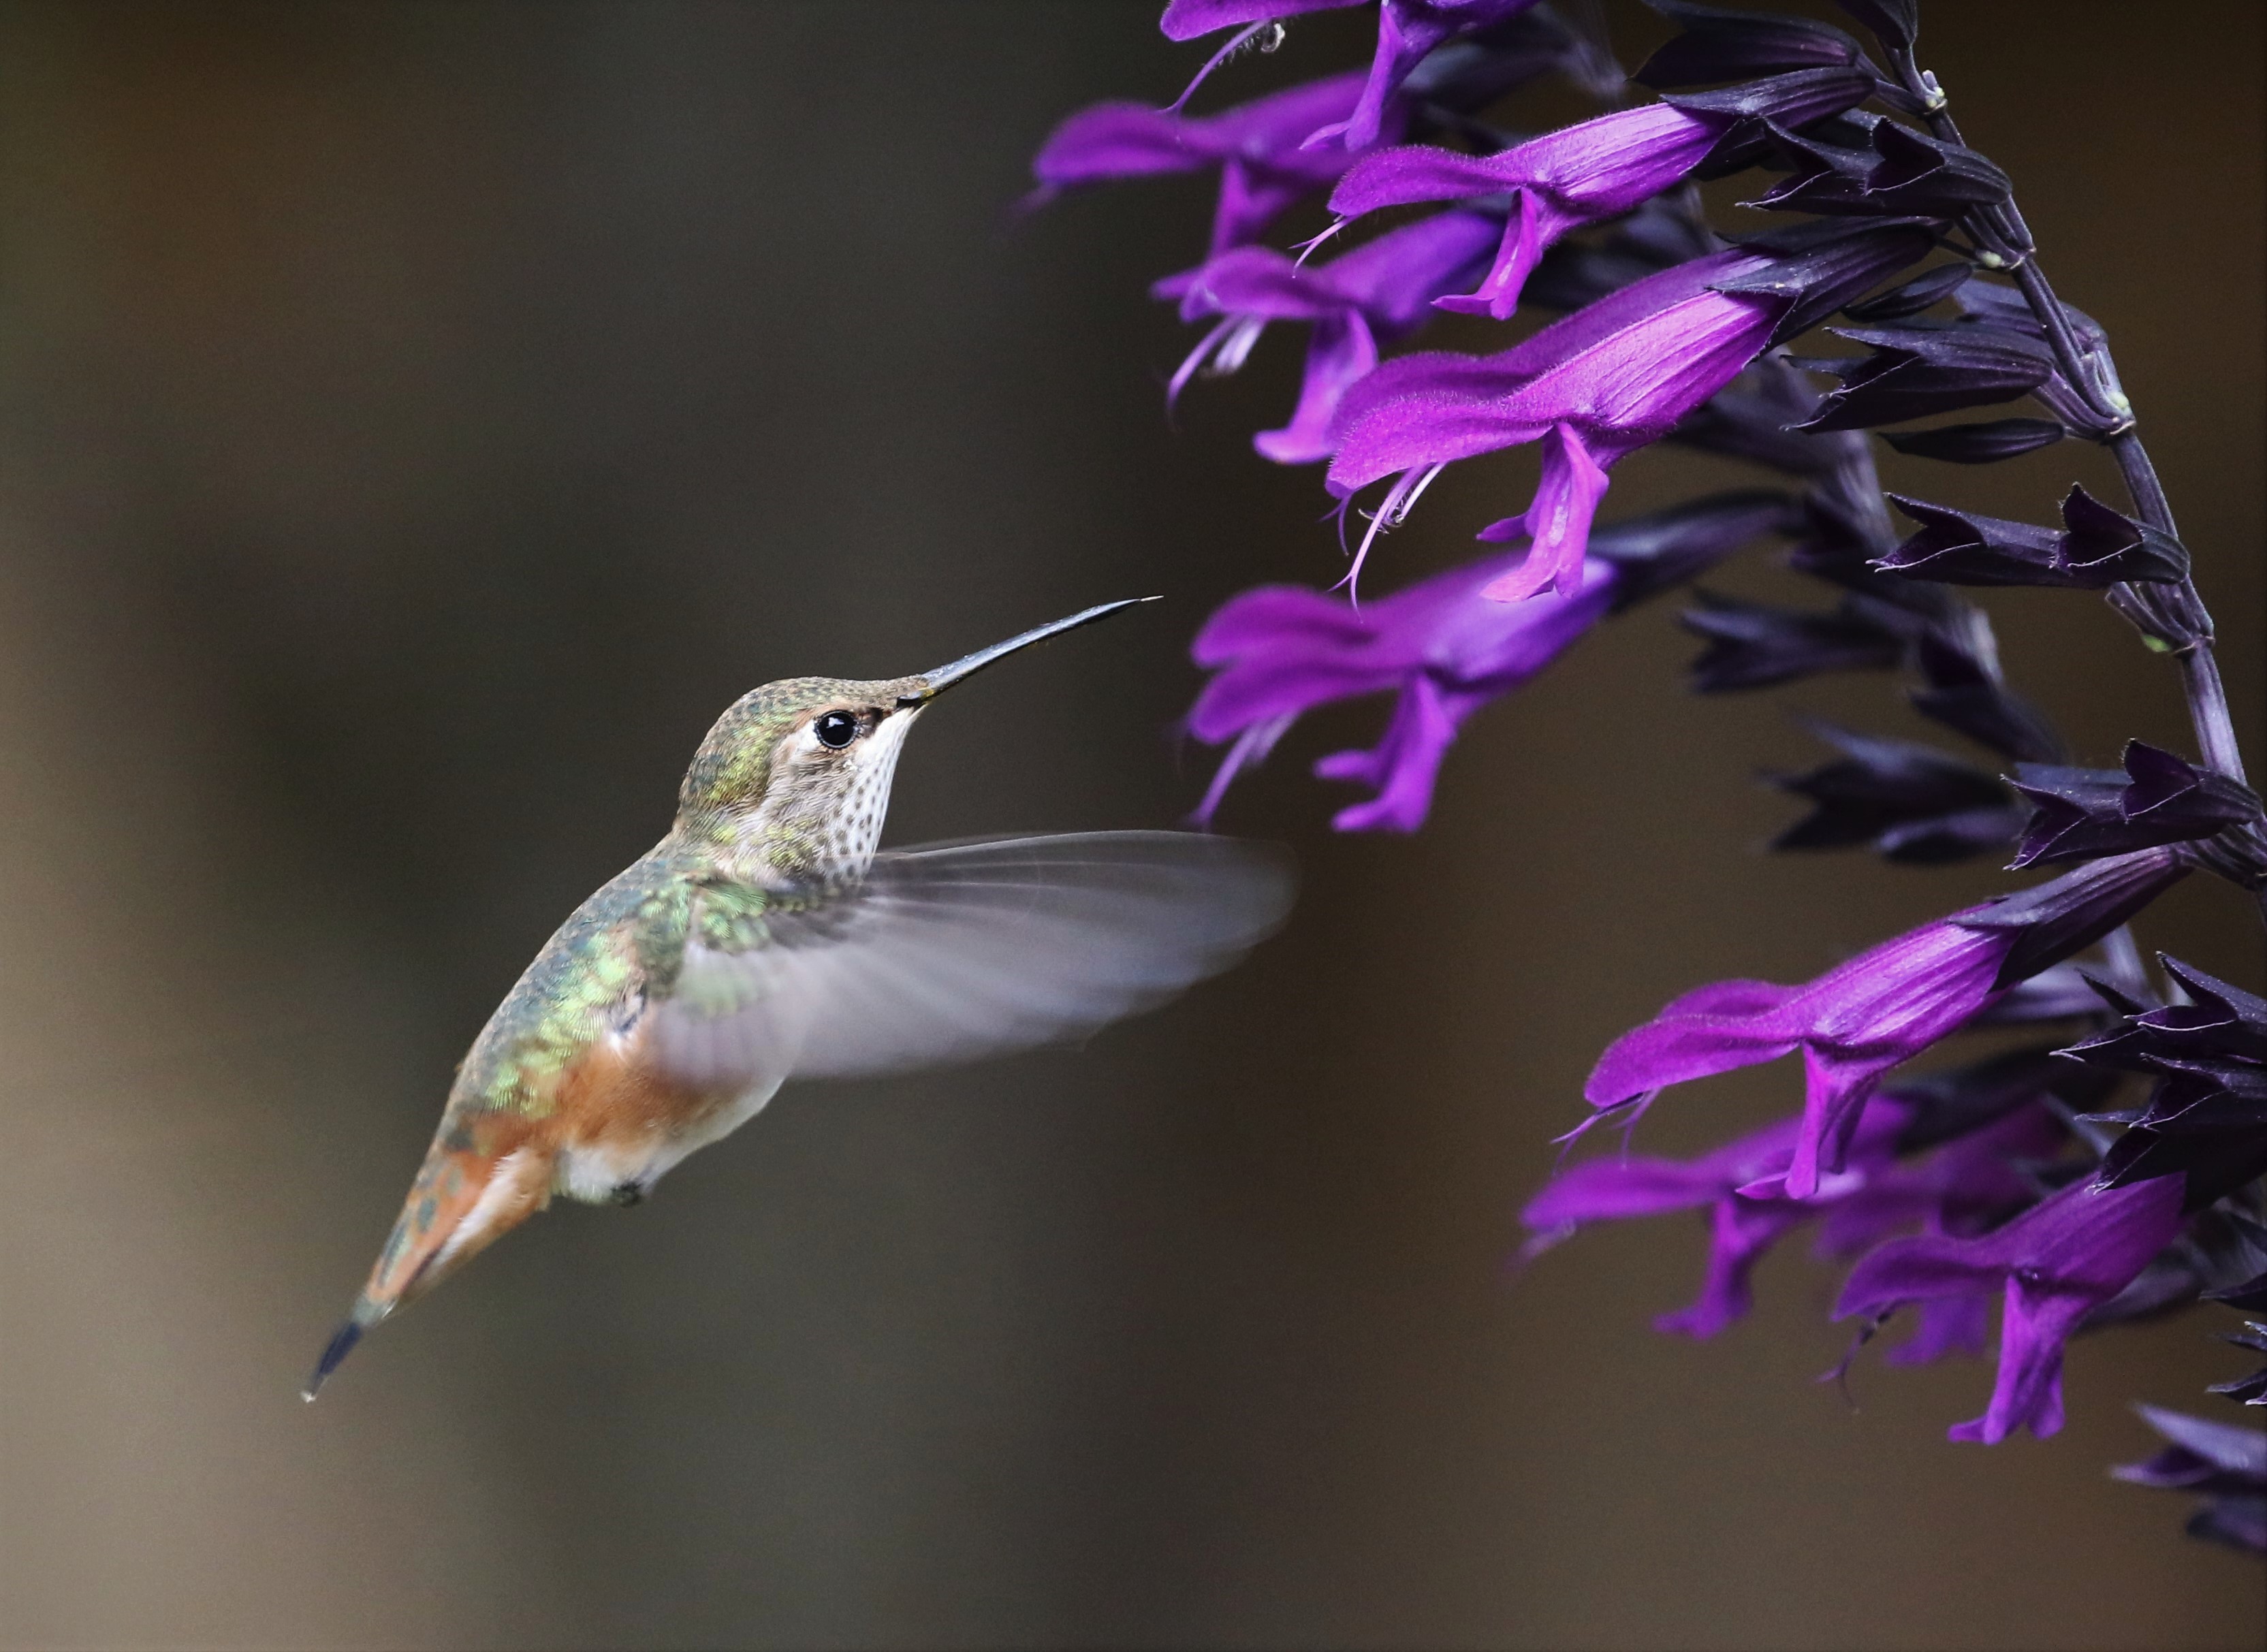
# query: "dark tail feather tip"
[[341, 1344]]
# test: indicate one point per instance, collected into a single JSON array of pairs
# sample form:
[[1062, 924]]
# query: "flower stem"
[[2200, 680]]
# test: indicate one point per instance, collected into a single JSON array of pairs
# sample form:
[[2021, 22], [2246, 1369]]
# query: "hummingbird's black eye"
[[836, 729]]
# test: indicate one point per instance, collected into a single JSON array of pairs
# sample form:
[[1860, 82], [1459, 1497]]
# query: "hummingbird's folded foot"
[[628, 1194]]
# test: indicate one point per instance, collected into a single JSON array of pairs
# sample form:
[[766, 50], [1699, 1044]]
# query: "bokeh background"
[[417, 421]]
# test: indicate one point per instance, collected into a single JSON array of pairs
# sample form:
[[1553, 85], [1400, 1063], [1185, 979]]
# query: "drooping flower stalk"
[[2019, 1177]]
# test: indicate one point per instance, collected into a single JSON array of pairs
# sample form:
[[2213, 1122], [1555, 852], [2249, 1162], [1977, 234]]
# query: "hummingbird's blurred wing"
[[951, 952]]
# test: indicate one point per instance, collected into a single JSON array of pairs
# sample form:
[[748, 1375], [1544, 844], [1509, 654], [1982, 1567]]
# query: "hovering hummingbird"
[[763, 939]]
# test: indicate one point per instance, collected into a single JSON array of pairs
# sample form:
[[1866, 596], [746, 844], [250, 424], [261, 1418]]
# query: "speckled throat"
[[824, 827]]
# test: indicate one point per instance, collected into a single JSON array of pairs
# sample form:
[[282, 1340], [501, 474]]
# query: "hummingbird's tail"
[[461, 1202]]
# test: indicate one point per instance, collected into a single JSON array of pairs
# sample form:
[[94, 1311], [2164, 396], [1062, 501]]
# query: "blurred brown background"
[[416, 421]]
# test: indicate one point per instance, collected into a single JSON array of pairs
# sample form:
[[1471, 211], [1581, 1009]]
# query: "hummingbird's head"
[[795, 775]]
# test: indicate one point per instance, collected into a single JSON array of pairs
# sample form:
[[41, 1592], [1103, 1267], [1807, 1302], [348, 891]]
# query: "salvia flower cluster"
[[2038, 1190]]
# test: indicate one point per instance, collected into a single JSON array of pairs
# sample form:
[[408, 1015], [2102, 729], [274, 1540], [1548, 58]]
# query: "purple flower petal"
[[1381, 288], [1406, 31], [1579, 174], [1615, 393], [1740, 1231], [2075, 1249], [1558, 522], [1255, 145], [1277, 653], [1853, 1024], [1404, 765], [1339, 353]]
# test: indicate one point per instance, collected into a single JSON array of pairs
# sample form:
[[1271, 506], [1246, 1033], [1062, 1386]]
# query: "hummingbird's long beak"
[[935, 683]]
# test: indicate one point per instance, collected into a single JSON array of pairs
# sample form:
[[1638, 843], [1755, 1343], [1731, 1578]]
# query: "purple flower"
[[1579, 175], [1598, 383], [1559, 182], [1406, 31], [1853, 1024], [2064, 1255], [1883, 1007], [1379, 290], [2225, 1464], [1255, 145], [1958, 1189], [1741, 1229], [1281, 649]]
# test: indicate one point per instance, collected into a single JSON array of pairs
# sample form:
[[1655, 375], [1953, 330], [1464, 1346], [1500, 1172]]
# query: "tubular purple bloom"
[[1255, 145], [1579, 175], [1278, 651], [1883, 1007], [1959, 1188], [1379, 290], [1601, 382], [1559, 181], [2065, 1255], [1853, 1024], [1741, 1230], [1406, 31], [1282, 650]]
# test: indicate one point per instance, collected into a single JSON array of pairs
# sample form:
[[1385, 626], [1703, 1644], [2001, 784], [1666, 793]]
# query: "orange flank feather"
[[489, 1170]]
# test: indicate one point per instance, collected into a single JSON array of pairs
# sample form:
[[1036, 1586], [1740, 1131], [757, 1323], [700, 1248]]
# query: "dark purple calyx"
[[1913, 297], [2083, 813], [1894, 23], [2096, 549], [1982, 443], [1965, 693], [1754, 645], [1910, 803], [2207, 1116], [1818, 268], [2076, 910], [1652, 554], [1923, 369], [1719, 44]]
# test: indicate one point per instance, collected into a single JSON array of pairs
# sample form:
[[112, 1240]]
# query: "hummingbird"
[[763, 939]]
